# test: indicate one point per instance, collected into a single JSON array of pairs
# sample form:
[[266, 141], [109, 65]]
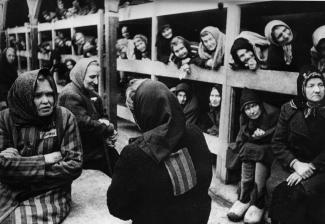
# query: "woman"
[[183, 54], [317, 52], [145, 187], [253, 145], [210, 120], [8, 74], [81, 99], [188, 102], [212, 47], [142, 48], [297, 181], [250, 51], [164, 36]]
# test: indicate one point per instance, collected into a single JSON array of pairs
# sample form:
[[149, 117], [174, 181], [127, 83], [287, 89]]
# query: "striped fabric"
[[181, 171], [21, 177]]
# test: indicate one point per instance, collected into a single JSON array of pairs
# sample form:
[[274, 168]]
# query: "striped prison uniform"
[[32, 191]]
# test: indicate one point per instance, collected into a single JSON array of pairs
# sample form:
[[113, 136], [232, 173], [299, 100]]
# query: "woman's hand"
[[104, 121], [209, 63], [294, 179], [258, 132], [53, 157], [305, 170]]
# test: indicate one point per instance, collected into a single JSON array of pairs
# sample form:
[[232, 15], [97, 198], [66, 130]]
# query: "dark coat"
[[209, 121], [8, 74], [141, 189]]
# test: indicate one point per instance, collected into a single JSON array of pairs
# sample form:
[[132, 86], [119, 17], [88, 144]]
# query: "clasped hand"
[[258, 132], [305, 170]]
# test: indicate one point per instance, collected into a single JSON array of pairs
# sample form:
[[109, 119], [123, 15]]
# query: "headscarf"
[[138, 54], [300, 102], [219, 89], [252, 42], [78, 73], [160, 117], [21, 99], [187, 45], [318, 35], [248, 96], [218, 54], [191, 107], [287, 48]]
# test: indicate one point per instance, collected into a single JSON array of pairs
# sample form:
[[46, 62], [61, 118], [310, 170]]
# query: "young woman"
[[164, 36], [142, 47], [253, 145], [212, 47], [297, 181], [317, 52], [249, 51]]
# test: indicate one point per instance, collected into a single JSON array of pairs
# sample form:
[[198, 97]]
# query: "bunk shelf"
[[78, 21], [20, 29], [25, 54], [265, 80]]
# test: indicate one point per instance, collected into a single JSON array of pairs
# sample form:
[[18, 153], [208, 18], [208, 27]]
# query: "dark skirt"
[[256, 153]]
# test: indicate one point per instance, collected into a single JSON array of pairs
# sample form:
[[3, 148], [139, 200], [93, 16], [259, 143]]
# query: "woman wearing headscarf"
[[297, 181], [209, 122], [317, 52], [81, 99], [142, 47], [40, 152], [212, 47], [250, 51], [8, 73], [253, 147], [164, 36], [164, 175], [188, 102]]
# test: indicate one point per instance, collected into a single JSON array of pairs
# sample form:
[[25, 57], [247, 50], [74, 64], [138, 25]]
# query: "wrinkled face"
[[91, 78], [282, 35], [69, 65], [215, 98], [209, 42], [80, 39], [181, 96], [167, 33], [245, 55], [10, 55], [180, 51], [140, 45], [44, 98], [253, 110], [314, 90]]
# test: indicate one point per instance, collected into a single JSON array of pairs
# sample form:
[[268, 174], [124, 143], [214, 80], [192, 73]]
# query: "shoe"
[[237, 211], [253, 215]]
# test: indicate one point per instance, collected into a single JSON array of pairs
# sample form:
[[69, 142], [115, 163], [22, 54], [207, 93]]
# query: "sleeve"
[[121, 195], [86, 124], [280, 140]]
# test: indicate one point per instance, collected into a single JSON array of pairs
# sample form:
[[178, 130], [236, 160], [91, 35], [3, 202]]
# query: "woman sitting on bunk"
[[212, 47], [164, 37], [249, 51], [142, 48]]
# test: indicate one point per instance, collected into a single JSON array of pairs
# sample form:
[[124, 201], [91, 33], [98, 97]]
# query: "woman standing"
[[164, 175], [297, 181], [8, 74]]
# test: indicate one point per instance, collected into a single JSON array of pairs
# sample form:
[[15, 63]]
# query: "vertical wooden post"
[[100, 47], [111, 24], [232, 30], [3, 14], [154, 31], [73, 31], [18, 55], [39, 40], [28, 51]]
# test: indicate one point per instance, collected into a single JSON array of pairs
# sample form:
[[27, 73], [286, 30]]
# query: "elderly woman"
[[164, 36], [249, 51], [40, 152], [253, 145], [212, 47], [8, 73], [317, 52], [164, 175], [142, 47], [297, 181], [81, 99]]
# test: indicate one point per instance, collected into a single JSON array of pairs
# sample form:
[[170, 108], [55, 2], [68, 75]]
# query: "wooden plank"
[[160, 69], [100, 36], [3, 14], [20, 29], [18, 56], [154, 31], [27, 52], [34, 8]]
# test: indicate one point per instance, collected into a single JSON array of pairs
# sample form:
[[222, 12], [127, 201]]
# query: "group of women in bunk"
[[280, 152]]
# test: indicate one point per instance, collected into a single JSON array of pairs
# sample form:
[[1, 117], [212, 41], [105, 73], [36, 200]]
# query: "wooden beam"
[[100, 44], [3, 14], [154, 31], [34, 8]]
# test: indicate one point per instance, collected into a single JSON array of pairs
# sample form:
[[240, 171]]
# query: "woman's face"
[[215, 98], [314, 90], [253, 110], [140, 45], [167, 33], [209, 42], [180, 51], [282, 35], [69, 65], [91, 78], [245, 56], [181, 96], [10, 55]]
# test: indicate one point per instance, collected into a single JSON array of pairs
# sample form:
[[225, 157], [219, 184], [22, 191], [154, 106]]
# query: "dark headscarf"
[[8, 74], [248, 96], [191, 107], [21, 99], [240, 43], [300, 101], [160, 117]]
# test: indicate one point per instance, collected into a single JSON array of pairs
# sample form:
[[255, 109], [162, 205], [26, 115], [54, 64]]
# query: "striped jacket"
[[31, 191]]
